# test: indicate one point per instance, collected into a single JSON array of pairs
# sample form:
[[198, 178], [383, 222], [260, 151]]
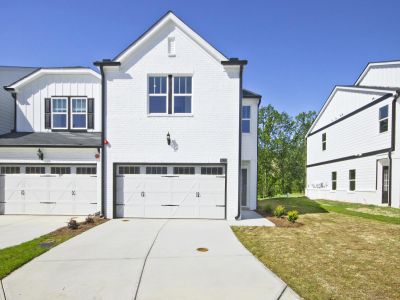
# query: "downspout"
[[240, 142], [258, 111], [101, 64], [393, 143], [103, 155]]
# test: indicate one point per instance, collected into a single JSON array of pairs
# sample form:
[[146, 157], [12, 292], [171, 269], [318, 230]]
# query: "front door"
[[385, 184], [244, 187]]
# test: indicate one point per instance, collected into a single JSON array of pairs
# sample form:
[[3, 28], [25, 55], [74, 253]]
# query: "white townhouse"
[[164, 130], [353, 145]]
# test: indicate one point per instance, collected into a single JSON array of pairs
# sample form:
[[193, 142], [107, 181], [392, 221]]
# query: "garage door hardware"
[[22, 192], [197, 194], [202, 249], [219, 205], [142, 194], [170, 205], [73, 193], [92, 202], [170, 176], [48, 176], [47, 202]]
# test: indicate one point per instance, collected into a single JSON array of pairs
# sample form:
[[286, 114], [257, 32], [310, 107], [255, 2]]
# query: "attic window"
[[171, 46]]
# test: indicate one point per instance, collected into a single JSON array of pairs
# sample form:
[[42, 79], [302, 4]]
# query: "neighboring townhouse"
[[49, 161], [165, 131], [9, 75], [353, 145]]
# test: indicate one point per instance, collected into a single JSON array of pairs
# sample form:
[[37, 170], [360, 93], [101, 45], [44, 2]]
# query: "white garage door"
[[48, 190], [170, 191]]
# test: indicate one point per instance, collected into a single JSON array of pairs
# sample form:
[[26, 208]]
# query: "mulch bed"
[[280, 222]]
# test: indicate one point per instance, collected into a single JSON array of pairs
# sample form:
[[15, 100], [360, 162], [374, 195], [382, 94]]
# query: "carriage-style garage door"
[[48, 189], [170, 191]]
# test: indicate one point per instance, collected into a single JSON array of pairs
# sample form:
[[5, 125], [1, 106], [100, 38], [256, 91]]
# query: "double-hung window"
[[352, 180], [383, 118], [182, 95], [246, 119], [78, 113], [59, 114], [157, 94], [334, 181]]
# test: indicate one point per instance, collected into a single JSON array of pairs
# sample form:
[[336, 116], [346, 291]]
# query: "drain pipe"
[[14, 96], [393, 143], [101, 65]]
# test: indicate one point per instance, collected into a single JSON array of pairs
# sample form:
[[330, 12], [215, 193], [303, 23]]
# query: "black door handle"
[[142, 194]]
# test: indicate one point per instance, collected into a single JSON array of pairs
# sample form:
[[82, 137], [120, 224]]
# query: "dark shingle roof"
[[250, 94], [51, 139]]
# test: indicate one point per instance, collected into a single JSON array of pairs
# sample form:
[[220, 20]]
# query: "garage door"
[[166, 191], [48, 190]]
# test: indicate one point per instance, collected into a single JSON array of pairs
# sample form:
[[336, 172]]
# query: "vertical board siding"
[[30, 113]]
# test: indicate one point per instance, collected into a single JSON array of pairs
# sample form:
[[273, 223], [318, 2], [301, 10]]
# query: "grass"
[[342, 251], [12, 258]]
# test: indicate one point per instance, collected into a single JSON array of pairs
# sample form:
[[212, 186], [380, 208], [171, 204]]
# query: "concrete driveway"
[[148, 259], [15, 229]]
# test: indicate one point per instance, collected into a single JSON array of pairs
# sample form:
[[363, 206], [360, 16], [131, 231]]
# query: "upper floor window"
[[182, 95], [157, 94], [69, 113], [246, 118], [352, 180], [78, 113], [59, 107], [170, 95], [383, 118], [324, 141]]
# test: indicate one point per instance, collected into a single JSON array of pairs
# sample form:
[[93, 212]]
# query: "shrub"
[[267, 209], [293, 215], [73, 224], [279, 211], [89, 219]]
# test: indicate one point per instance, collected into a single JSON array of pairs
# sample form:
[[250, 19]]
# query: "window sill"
[[170, 115]]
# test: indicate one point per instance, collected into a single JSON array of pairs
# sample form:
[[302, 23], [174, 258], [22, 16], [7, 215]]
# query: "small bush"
[[73, 224], [89, 219], [279, 211], [293, 215], [267, 209]]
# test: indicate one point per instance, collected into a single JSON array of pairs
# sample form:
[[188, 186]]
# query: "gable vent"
[[171, 46]]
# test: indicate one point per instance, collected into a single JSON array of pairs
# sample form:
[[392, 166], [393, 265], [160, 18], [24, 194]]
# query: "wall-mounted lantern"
[[168, 139], [40, 154]]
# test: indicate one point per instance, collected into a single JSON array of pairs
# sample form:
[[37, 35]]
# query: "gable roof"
[[383, 91], [375, 64], [166, 18], [44, 71]]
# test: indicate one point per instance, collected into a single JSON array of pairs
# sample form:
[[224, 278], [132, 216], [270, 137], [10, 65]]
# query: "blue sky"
[[297, 50]]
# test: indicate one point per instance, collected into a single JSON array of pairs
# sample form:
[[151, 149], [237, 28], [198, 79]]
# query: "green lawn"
[[342, 250], [12, 258]]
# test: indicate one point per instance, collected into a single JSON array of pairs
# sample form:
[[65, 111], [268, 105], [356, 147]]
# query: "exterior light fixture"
[[168, 139], [40, 154]]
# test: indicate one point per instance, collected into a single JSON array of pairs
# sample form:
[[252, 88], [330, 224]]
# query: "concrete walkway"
[[16, 229], [148, 259]]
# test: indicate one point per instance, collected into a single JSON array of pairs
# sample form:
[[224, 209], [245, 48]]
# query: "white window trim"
[[79, 113], [150, 94], [243, 119], [173, 96], [58, 113]]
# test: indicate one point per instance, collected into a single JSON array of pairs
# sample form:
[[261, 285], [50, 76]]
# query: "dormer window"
[[78, 113], [59, 107], [69, 113]]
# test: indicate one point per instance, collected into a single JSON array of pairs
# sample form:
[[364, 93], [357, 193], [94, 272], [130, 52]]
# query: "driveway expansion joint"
[[284, 289], [145, 259], [2, 289]]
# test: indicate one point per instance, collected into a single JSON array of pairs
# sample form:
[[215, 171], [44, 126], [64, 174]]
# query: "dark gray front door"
[[385, 184], [244, 187]]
